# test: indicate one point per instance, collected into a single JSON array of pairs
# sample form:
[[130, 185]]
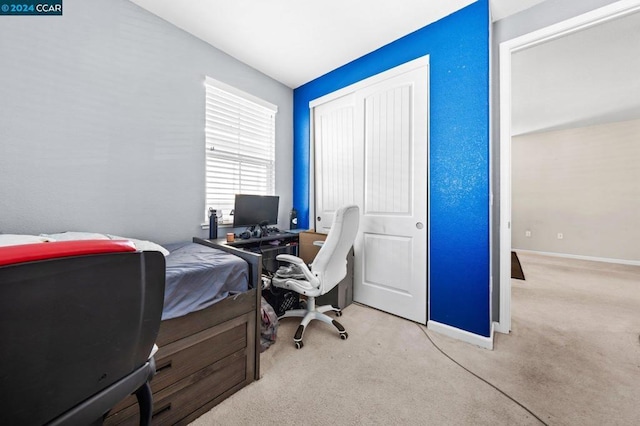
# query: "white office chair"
[[327, 270]]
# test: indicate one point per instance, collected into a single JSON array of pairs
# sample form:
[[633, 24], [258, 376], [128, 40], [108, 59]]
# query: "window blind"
[[240, 146]]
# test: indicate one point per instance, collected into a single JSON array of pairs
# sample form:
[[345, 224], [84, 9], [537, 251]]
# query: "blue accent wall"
[[458, 49]]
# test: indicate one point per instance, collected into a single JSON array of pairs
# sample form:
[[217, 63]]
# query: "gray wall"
[[583, 183], [102, 122], [538, 17]]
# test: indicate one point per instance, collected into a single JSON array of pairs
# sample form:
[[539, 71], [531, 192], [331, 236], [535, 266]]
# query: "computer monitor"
[[250, 210]]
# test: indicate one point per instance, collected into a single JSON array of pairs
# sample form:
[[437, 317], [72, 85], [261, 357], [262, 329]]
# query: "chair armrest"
[[291, 259], [297, 261]]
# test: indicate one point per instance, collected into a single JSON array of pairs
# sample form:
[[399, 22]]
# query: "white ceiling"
[[582, 79], [585, 78], [295, 41]]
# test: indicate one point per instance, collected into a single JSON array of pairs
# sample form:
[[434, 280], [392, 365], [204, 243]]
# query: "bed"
[[209, 338]]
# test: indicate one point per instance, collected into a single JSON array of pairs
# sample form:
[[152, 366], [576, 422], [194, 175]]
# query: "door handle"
[[419, 225]]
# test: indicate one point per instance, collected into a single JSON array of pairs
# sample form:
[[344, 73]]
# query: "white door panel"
[[388, 164], [334, 127], [381, 253]]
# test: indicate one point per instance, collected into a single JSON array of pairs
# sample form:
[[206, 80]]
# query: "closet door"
[[391, 268], [371, 149]]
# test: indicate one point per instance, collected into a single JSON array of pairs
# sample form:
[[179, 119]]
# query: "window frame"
[[254, 129]]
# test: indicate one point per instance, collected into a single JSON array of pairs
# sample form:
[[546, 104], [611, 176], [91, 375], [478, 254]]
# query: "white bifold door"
[[371, 149]]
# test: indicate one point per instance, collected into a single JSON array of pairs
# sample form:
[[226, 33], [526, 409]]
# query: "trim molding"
[[459, 334], [581, 257], [422, 61]]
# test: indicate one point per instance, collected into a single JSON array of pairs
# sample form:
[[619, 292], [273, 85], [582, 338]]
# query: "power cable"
[[484, 380]]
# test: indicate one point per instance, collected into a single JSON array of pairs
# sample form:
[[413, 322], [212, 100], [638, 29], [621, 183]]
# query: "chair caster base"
[[315, 315]]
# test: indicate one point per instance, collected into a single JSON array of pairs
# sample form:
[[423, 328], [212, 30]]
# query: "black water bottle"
[[293, 219], [213, 224]]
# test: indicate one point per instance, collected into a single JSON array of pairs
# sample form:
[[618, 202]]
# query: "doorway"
[[507, 49]]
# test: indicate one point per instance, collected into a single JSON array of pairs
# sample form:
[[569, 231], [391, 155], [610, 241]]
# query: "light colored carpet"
[[573, 358]]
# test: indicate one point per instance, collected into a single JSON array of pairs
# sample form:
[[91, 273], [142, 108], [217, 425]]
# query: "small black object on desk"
[[245, 239], [213, 224]]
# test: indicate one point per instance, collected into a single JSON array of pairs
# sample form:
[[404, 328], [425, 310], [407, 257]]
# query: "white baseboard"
[[459, 334], [580, 257], [500, 328]]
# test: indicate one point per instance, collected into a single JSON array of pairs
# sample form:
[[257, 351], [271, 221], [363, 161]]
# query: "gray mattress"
[[199, 276]]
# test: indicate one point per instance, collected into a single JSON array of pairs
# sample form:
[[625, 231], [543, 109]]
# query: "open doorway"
[[508, 127]]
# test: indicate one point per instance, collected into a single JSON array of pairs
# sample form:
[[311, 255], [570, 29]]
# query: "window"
[[240, 146]]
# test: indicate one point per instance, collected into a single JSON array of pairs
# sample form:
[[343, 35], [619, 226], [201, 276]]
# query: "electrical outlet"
[[560, 235], [527, 234]]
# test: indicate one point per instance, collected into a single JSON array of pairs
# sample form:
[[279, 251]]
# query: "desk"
[[269, 247], [289, 243]]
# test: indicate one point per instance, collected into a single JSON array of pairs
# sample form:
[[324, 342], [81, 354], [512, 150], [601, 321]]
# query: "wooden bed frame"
[[205, 356]]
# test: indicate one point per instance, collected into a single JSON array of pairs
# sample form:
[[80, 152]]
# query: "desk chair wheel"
[[344, 336], [338, 313], [297, 339]]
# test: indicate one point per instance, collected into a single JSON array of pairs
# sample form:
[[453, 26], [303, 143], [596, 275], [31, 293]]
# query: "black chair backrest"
[[72, 326]]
